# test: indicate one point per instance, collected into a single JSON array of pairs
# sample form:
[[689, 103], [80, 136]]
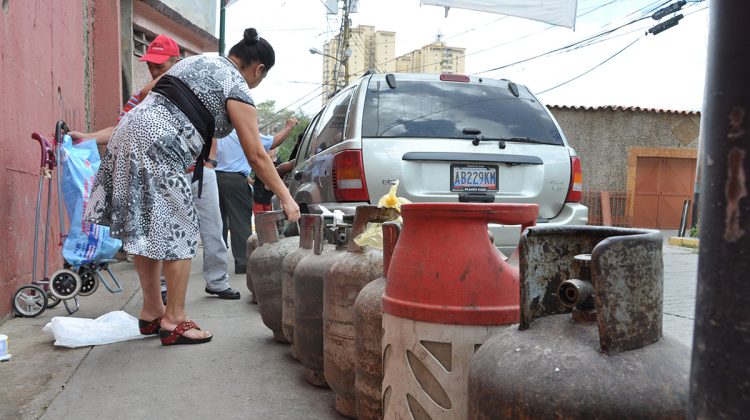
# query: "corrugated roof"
[[623, 108]]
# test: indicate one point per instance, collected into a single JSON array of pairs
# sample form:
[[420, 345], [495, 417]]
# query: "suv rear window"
[[444, 109]]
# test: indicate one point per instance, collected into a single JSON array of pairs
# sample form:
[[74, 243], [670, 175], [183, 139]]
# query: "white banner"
[[554, 12]]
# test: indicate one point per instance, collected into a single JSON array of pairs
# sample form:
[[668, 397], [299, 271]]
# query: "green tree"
[[271, 121]]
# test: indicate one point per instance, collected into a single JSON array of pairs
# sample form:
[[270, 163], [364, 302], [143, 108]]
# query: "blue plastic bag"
[[85, 242]]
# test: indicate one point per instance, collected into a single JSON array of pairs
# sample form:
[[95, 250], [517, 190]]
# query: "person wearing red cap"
[[162, 53]]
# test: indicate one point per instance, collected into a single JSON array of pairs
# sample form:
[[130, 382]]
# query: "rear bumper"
[[507, 237]]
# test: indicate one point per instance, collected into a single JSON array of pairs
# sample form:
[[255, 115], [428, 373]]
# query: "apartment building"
[[433, 58], [368, 49], [372, 49]]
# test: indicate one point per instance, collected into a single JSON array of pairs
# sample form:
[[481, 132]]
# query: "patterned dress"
[[142, 191]]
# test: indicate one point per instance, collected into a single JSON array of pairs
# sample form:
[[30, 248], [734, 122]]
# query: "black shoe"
[[227, 293], [240, 270], [164, 297]]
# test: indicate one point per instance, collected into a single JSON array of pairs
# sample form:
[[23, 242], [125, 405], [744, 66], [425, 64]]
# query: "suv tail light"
[[575, 190], [349, 176], [446, 77]]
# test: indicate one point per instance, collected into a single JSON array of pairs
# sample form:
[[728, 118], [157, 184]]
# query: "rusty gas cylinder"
[[448, 290], [347, 274], [252, 243], [309, 226], [308, 302], [368, 335], [266, 263], [609, 359]]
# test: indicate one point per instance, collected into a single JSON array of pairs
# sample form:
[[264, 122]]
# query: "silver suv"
[[446, 138]]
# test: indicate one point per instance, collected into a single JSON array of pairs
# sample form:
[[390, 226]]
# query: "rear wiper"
[[477, 138], [525, 140], [480, 138]]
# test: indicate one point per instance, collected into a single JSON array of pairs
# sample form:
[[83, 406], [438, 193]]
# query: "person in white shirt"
[[235, 195]]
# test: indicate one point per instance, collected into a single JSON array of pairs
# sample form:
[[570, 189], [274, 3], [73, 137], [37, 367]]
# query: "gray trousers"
[[214, 247], [236, 204]]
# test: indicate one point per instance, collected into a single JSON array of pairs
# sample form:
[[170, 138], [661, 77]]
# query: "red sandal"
[[176, 336], [149, 327]]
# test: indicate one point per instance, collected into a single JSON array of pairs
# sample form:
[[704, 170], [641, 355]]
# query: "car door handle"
[[298, 176]]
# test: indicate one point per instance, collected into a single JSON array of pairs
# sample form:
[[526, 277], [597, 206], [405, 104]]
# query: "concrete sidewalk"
[[241, 374]]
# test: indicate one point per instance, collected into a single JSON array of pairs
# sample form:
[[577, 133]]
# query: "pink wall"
[[107, 73], [43, 80]]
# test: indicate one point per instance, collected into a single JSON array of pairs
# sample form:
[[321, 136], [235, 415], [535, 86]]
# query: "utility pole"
[[222, 27], [346, 42], [721, 339]]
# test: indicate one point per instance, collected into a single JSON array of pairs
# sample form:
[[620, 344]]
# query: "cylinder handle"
[[267, 225]]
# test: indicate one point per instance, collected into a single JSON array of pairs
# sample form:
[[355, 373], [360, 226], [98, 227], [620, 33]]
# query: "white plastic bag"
[[79, 332], [372, 236]]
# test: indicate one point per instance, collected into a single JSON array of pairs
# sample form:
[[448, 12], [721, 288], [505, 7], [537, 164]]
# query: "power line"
[[328, 8], [566, 47], [594, 9], [317, 88], [608, 59], [284, 109], [591, 69], [476, 27], [520, 38]]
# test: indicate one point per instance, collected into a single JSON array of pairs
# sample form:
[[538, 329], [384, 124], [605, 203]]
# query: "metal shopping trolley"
[[73, 280]]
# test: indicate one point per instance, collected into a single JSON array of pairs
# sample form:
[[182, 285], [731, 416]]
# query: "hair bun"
[[251, 36]]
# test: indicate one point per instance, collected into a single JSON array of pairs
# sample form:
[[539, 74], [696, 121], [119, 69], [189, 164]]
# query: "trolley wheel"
[[89, 281], [29, 301], [52, 301], [64, 284]]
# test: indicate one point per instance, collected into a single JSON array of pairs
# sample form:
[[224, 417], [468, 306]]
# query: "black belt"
[[188, 102]]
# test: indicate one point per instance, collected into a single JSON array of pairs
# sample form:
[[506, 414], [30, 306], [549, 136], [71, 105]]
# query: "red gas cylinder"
[[448, 290]]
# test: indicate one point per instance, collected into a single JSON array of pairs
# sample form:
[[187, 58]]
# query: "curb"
[[684, 242]]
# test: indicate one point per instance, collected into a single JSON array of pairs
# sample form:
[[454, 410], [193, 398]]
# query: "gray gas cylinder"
[[309, 226], [252, 243], [266, 263], [606, 360], [308, 302], [345, 277], [368, 335]]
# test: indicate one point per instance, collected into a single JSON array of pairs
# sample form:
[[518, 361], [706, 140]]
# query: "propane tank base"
[[347, 407], [426, 366], [315, 378], [278, 336]]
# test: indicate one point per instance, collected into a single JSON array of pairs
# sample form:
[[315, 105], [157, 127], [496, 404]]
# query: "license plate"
[[473, 178]]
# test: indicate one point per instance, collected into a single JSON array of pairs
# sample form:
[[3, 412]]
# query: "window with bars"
[[140, 42]]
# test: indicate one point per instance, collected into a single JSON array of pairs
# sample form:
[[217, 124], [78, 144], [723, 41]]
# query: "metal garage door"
[[661, 186]]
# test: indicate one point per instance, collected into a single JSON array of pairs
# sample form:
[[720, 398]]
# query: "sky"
[[664, 71]]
